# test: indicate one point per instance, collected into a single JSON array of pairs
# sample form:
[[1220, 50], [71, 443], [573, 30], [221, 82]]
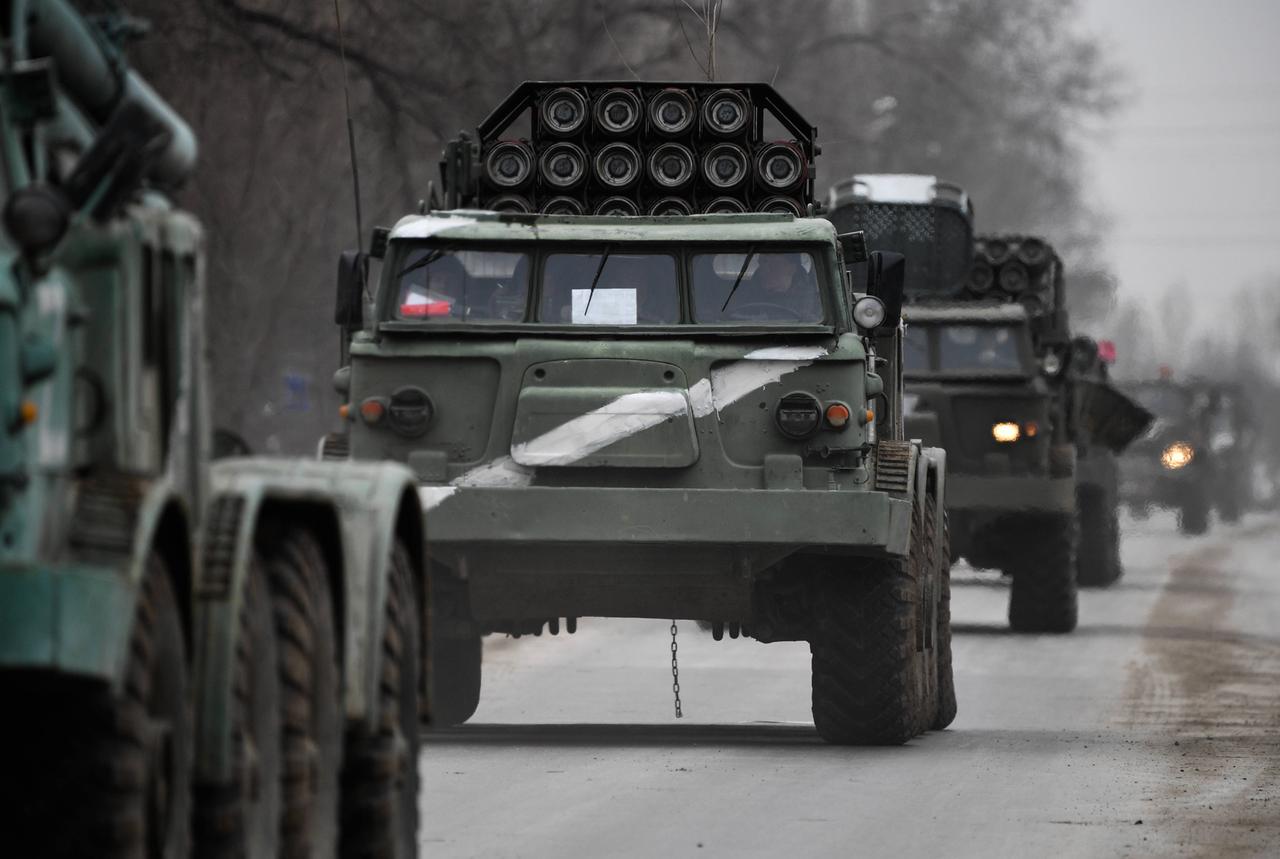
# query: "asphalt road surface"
[[1153, 730]]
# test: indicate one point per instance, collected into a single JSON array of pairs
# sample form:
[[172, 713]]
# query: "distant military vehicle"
[[1233, 441], [221, 655], [1174, 464], [618, 408], [994, 376]]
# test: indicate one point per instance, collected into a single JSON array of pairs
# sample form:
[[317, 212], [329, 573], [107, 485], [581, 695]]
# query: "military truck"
[[662, 415], [994, 376], [1174, 464], [223, 657]]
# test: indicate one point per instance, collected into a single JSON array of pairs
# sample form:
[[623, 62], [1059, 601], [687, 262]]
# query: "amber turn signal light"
[[28, 412], [344, 411], [372, 410]]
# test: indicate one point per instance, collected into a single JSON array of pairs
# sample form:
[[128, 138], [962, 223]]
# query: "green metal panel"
[[75, 620]]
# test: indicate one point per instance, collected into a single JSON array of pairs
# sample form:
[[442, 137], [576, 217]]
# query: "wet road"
[[1154, 730]]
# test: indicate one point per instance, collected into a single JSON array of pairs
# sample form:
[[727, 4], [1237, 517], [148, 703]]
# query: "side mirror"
[[353, 269], [886, 273], [854, 246]]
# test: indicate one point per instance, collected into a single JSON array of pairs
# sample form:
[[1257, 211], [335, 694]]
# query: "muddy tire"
[[311, 742], [1098, 554], [243, 818], [380, 776], [455, 678], [1043, 595], [1193, 515], [947, 707], [91, 773], [869, 675]]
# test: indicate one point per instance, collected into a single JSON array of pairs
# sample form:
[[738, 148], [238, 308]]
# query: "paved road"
[[1154, 730]]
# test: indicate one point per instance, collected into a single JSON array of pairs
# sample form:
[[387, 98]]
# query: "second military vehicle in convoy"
[[617, 407], [1175, 464], [994, 376], [222, 657]]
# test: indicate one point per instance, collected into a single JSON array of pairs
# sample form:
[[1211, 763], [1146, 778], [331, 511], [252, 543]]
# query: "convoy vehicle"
[[661, 415], [1174, 463], [192, 655], [994, 377]]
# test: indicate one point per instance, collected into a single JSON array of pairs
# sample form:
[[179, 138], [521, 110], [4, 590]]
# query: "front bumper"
[[71, 619], [860, 521], [966, 492]]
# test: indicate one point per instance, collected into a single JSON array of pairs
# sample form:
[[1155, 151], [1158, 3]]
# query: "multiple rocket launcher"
[[632, 149]]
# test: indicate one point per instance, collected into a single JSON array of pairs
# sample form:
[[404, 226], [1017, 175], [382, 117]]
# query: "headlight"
[[1051, 363], [868, 312], [1006, 432], [1177, 455], [410, 411]]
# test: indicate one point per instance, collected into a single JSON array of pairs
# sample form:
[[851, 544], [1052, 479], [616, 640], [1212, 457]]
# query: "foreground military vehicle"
[[216, 657], [668, 415], [994, 377], [1174, 464]]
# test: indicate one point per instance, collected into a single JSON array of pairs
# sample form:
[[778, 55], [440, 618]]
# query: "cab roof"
[[466, 224], [965, 311]]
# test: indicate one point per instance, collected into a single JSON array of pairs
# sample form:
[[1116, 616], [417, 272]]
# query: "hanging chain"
[[675, 671]]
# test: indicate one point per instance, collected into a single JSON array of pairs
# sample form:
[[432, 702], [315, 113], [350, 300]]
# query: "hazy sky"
[[1190, 172]]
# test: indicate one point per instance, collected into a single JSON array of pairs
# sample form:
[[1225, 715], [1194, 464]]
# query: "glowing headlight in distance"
[[1177, 455], [1006, 432], [868, 312]]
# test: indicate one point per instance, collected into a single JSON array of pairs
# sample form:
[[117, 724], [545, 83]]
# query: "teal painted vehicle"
[[220, 658], [669, 415]]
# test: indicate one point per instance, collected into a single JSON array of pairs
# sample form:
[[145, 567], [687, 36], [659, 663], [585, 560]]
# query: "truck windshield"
[[982, 348], [773, 287], [609, 288], [438, 284], [959, 349]]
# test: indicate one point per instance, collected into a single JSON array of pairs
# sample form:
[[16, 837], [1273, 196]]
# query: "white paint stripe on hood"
[[582, 436], [627, 415]]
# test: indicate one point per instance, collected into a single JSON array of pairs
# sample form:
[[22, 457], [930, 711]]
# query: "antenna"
[[351, 131]]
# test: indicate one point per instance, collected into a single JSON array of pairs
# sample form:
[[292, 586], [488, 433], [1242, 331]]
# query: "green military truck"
[[1175, 464], [660, 415], [993, 376], [213, 657]]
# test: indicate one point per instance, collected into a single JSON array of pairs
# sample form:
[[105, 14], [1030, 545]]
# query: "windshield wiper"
[[604, 258], [422, 263], [751, 252]]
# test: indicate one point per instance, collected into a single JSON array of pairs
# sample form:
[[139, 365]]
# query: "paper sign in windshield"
[[608, 307]]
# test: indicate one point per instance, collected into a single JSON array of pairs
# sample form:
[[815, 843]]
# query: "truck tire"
[[947, 708], [89, 772], [243, 818], [455, 678], [312, 722], [1043, 596], [868, 674], [1193, 514], [1098, 554], [1229, 503], [380, 776]]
